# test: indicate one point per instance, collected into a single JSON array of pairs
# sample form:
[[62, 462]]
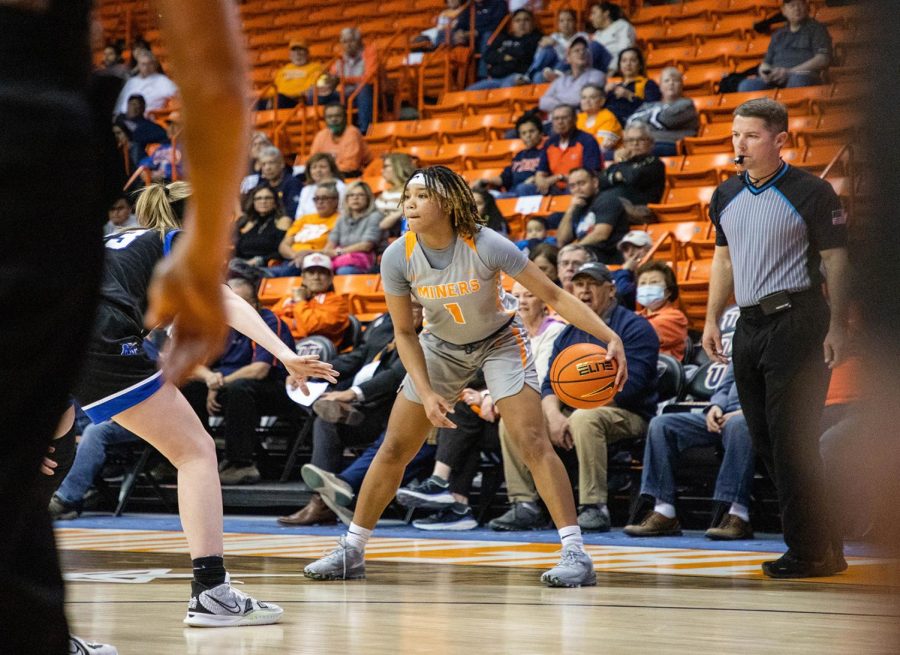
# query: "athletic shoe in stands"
[[731, 528], [455, 517], [224, 606], [592, 518], [791, 566], [343, 563], [433, 493], [79, 646], [237, 474], [521, 516], [654, 525], [327, 485], [60, 510], [575, 569]]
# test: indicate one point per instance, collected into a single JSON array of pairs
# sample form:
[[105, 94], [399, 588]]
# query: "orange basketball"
[[582, 378]]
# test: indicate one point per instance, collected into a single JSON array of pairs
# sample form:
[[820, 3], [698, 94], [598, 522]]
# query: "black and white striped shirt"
[[775, 232]]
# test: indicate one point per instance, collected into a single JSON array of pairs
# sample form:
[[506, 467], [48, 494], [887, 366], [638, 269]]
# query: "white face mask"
[[651, 296]]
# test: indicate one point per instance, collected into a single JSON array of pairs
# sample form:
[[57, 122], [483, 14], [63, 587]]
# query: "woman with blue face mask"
[[657, 298]]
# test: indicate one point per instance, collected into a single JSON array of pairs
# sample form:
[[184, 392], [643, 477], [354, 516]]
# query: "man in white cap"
[[634, 246], [314, 307]]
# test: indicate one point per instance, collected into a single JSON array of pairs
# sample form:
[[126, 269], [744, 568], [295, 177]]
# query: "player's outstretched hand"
[[191, 300], [616, 350], [437, 408], [302, 367]]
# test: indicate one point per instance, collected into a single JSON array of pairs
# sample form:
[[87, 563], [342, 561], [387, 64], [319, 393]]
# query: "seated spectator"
[[657, 293], [314, 307], [597, 120], [567, 148], [121, 216], [633, 88], [634, 246], [244, 384], [149, 83], [552, 49], [258, 142], [544, 255], [670, 119], [113, 63], [261, 227], [444, 25], [351, 244], [396, 169], [569, 259], [90, 456], [354, 412], [356, 62], [489, 213], [293, 80], [273, 172], [614, 34], [669, 435], [798, 53], [510, 55], [308, 233], [565, 88], [343, 142], [518, 178], [166, 163], [141, 131], [488, 15], [535, 234], [320, 168], [590, 431]]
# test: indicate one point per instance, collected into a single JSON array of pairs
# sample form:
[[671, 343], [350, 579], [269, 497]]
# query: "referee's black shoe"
[[791, 566]]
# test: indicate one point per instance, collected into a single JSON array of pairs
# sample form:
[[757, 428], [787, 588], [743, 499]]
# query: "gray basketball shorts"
[[504, 357]]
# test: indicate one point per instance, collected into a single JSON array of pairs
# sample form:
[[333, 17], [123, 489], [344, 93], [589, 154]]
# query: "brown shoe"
[[334, 411], [731, 528], [315, 512], [654, 525]]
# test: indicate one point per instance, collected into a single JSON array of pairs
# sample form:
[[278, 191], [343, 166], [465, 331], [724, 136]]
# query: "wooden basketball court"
[[440, 595]]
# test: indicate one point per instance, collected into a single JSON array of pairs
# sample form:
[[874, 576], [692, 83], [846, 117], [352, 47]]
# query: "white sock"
[[571, 536], [738, 510], [358, 536], [666, 509]]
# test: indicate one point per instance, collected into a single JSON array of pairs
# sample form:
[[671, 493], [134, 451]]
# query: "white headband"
[[419, 178]]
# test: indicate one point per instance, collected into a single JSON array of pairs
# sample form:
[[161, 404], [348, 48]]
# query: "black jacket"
[[390, 372], [509, 54]]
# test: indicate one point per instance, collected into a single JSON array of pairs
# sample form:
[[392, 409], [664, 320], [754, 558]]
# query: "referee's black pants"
[[782, 381]]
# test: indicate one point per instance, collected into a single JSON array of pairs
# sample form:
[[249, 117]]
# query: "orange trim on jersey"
[[523, 352], [410, 243]]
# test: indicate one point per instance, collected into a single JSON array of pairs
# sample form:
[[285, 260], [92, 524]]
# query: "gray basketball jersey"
[[463, 302]]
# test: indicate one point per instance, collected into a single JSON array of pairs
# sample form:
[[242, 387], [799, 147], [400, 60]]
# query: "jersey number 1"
[[454, 310]]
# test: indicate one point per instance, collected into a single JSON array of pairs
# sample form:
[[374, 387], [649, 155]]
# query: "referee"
[[775, 227]]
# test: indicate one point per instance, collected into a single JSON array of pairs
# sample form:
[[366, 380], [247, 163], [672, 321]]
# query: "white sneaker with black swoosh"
[[79, 646], [223, 606]]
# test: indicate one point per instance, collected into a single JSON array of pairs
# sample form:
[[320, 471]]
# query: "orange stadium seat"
[[273, 289], [475, 174], [453, 103], [704, 78], [686, 32], [484, 127], [496, 153], [832, 128], [648, 15], [367, 306], [702, 169], [364, 283], [661, 57], [729, 101], [429, 130], [683, 204], [732, 28]]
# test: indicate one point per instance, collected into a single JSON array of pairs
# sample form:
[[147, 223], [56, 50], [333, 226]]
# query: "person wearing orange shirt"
[[594, 118], [343, 142], [657, 293], [309, 233], [314, 307]]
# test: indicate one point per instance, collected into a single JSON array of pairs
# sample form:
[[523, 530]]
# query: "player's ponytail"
[[454, 195], [161, 207]]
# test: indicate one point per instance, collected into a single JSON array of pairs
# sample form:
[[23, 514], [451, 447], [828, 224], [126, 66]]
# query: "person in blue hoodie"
[[517, 179], [589, 431]]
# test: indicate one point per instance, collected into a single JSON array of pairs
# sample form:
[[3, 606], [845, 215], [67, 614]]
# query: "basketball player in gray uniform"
[[451, 264]]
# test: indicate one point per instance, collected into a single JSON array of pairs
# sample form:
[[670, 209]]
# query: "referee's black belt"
[[781, 302]]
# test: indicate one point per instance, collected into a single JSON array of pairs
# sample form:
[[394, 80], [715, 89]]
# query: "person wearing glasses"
[[351, 244], [261, 228], [309, 233]]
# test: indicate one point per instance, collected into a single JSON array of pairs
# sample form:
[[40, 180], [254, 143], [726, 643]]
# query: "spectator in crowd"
[[396, 169], [309, 233], [293, 80], [353, 412], [589, 431], [567, 148], [258, 142], [489, 212], [113, 63], [671, 118], [149, 83], [625, 95], [669, 435], [343, 142], [444, 24], [614, 34], [798, 53], [357, 61], [138, 47], [488, 14], [166, 163], [261, 227], [518, 178], [634, 246], [273, 172], [565, 88], [351, 244], [510, 55], [245, 383], [535, 234], [544, 255], [90, 456], [141, 131], [314, 307], [320, 168], [552, 49], [570, 258], [657, 293], [596, 119], [121, 215], [594, 220]]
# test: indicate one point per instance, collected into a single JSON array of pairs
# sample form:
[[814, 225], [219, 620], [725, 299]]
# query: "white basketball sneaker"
[[79, 646], [575, 569], [223, 606]]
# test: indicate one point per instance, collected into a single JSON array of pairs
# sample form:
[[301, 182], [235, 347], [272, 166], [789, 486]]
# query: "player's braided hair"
[[455, 198], [161, 207]]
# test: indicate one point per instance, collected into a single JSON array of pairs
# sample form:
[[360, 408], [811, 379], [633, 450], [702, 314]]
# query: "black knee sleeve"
[[64, 456]]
